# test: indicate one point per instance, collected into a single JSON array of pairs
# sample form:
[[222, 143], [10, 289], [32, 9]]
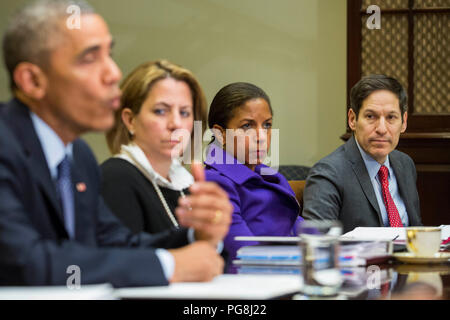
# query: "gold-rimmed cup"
[[423, 241]]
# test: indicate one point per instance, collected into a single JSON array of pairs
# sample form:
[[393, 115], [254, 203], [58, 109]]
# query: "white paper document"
[[226, 286], [386, 233], [445, 231], [375, 234], [86, 292]]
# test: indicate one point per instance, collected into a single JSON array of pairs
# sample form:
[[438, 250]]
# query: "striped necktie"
[[65, 189]]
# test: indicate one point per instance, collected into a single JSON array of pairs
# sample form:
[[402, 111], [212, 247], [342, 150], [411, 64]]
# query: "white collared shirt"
[[179, 177], [52, 145]]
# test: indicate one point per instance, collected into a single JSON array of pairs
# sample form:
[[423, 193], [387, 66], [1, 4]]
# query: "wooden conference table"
[[408, 281]]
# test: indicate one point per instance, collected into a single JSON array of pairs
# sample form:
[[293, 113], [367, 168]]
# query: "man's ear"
[[128, 120], [31, 80], [404, 120], [219, 134], [351, 119]]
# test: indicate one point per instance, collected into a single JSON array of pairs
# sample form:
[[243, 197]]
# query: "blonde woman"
[[144, 180]]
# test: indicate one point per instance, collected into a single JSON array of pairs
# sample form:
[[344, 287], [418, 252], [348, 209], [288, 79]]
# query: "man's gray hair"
[[33, 31]]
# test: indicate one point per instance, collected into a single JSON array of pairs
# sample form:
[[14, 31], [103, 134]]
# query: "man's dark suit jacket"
[[338, 187], [34, 245]]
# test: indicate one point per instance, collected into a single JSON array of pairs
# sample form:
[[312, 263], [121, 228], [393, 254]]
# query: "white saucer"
[[408, 257]]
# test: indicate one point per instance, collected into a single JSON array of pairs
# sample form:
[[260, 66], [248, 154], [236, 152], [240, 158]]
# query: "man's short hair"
[[371, 83], [28, 34]]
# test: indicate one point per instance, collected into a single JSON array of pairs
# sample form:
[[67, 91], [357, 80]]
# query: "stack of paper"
[[268, 269], [445, 236], [351, 253], [269, 255], [362, 253], [262, 259]]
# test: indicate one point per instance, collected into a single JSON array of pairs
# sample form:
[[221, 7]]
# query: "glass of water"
[[319, 246]]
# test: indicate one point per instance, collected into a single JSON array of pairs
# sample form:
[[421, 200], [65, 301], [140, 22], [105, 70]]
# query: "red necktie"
[[394, 217]]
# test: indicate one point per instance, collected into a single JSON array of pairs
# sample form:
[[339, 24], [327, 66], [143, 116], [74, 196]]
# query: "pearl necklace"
[[157, 189], [165, 205]]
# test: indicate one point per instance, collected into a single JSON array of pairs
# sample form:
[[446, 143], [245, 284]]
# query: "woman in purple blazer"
[[264, 204]]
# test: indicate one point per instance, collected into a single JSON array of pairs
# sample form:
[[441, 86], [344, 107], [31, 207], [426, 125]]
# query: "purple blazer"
[[264, 205]]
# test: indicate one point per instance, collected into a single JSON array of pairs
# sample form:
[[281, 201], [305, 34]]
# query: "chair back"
[[298, 186], [294, 172]]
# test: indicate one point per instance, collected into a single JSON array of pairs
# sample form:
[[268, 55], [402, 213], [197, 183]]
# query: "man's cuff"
[[191, 239], [167, 262]]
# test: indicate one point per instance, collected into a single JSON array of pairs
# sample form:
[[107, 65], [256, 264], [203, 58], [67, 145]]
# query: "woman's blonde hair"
[[135, 89]]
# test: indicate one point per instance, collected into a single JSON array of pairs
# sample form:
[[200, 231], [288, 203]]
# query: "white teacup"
[[423, 241]]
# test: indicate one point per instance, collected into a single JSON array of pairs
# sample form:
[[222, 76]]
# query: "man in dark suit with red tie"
[[366, 182], [52, 216]]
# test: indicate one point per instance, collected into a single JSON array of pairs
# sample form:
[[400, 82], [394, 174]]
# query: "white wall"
[[294, 49]]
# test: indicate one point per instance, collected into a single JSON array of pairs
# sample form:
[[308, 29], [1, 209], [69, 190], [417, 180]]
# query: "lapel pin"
[[81, 187]]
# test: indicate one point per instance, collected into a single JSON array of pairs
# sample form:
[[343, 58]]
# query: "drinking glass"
[[319, 246]]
